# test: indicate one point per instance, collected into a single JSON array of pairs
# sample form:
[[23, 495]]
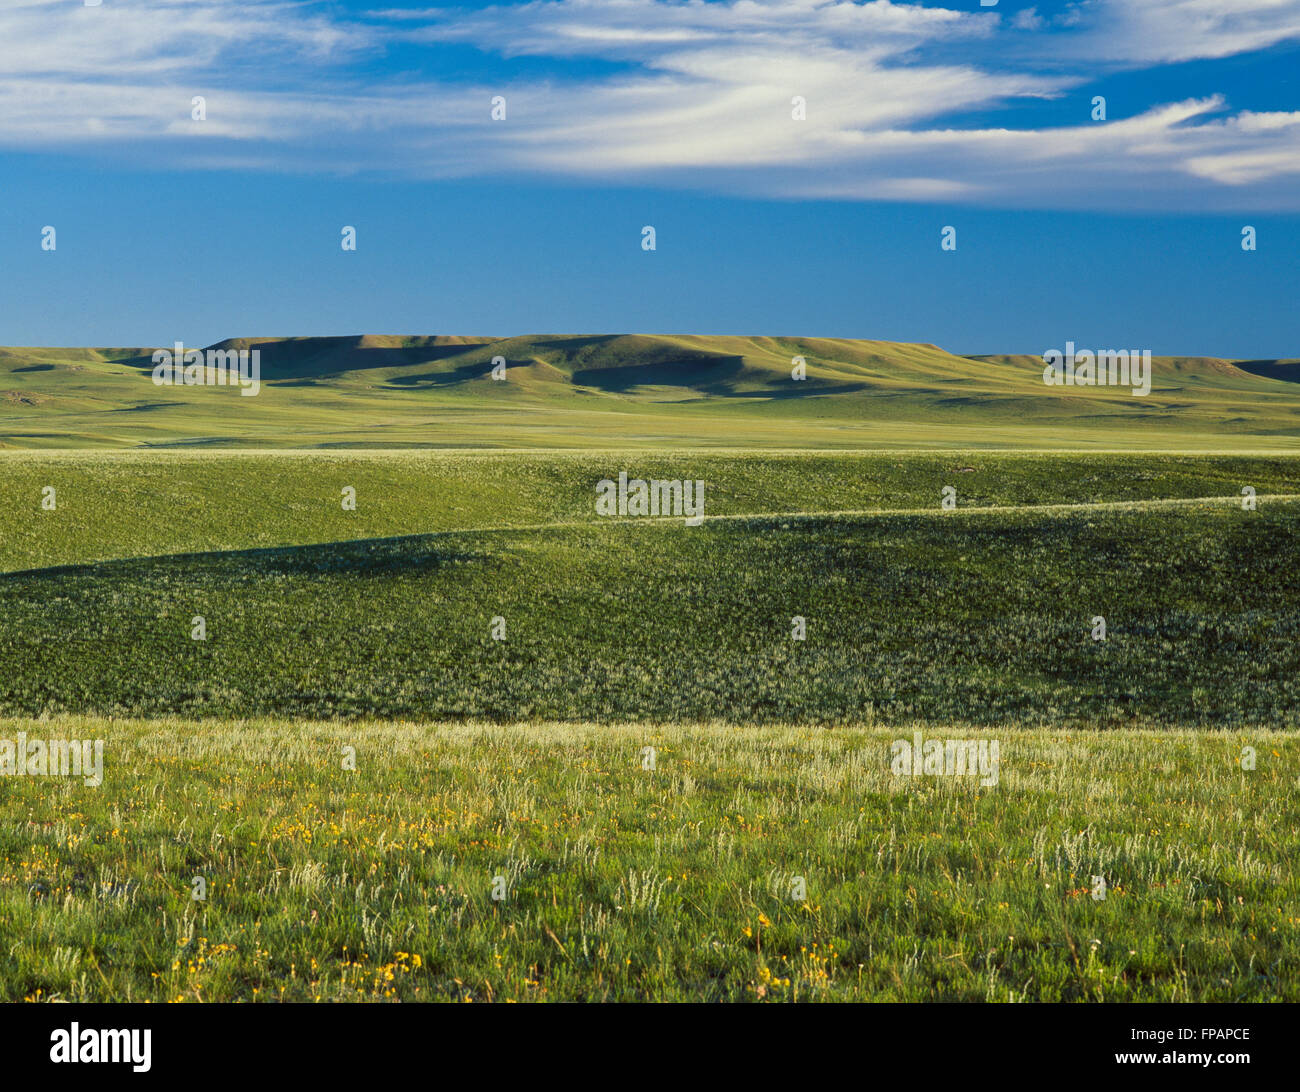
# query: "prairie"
[[980, 615], [353, 764], [619, 882]]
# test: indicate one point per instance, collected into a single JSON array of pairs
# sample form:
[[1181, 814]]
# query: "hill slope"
[[635, 391]]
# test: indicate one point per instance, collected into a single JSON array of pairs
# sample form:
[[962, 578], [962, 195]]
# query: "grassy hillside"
[[124, 504], [636, 391], [979, 615]]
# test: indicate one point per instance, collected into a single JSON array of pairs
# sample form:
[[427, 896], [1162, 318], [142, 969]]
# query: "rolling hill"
[[636, 391]]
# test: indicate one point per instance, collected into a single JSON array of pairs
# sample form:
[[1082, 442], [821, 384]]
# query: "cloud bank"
[[777, 98]]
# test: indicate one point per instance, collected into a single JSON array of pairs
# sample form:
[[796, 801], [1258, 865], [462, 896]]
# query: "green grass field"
[[518, 763], [622, 883], [981, 615]]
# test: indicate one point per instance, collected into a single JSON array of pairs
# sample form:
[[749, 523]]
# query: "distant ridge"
[[646, 390]]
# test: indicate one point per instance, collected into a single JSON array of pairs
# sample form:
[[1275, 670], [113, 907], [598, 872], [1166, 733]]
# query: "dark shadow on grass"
[[1288, 371], [694, 371], [362, 557], [461, 374]]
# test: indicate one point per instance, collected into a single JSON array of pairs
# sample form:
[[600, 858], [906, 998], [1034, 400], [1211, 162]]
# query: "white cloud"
[[156, 37], [1152, 31], [1159, 159], [700, 94], [1028, 19]]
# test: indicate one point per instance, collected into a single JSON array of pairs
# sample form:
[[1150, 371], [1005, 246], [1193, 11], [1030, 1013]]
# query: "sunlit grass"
[[628, 883]]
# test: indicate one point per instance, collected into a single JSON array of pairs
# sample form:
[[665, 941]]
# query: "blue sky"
[[623, 113]]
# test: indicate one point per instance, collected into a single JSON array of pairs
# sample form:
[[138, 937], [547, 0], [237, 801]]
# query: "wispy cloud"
[[165, 37], [699, 94], [1151, 31]]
